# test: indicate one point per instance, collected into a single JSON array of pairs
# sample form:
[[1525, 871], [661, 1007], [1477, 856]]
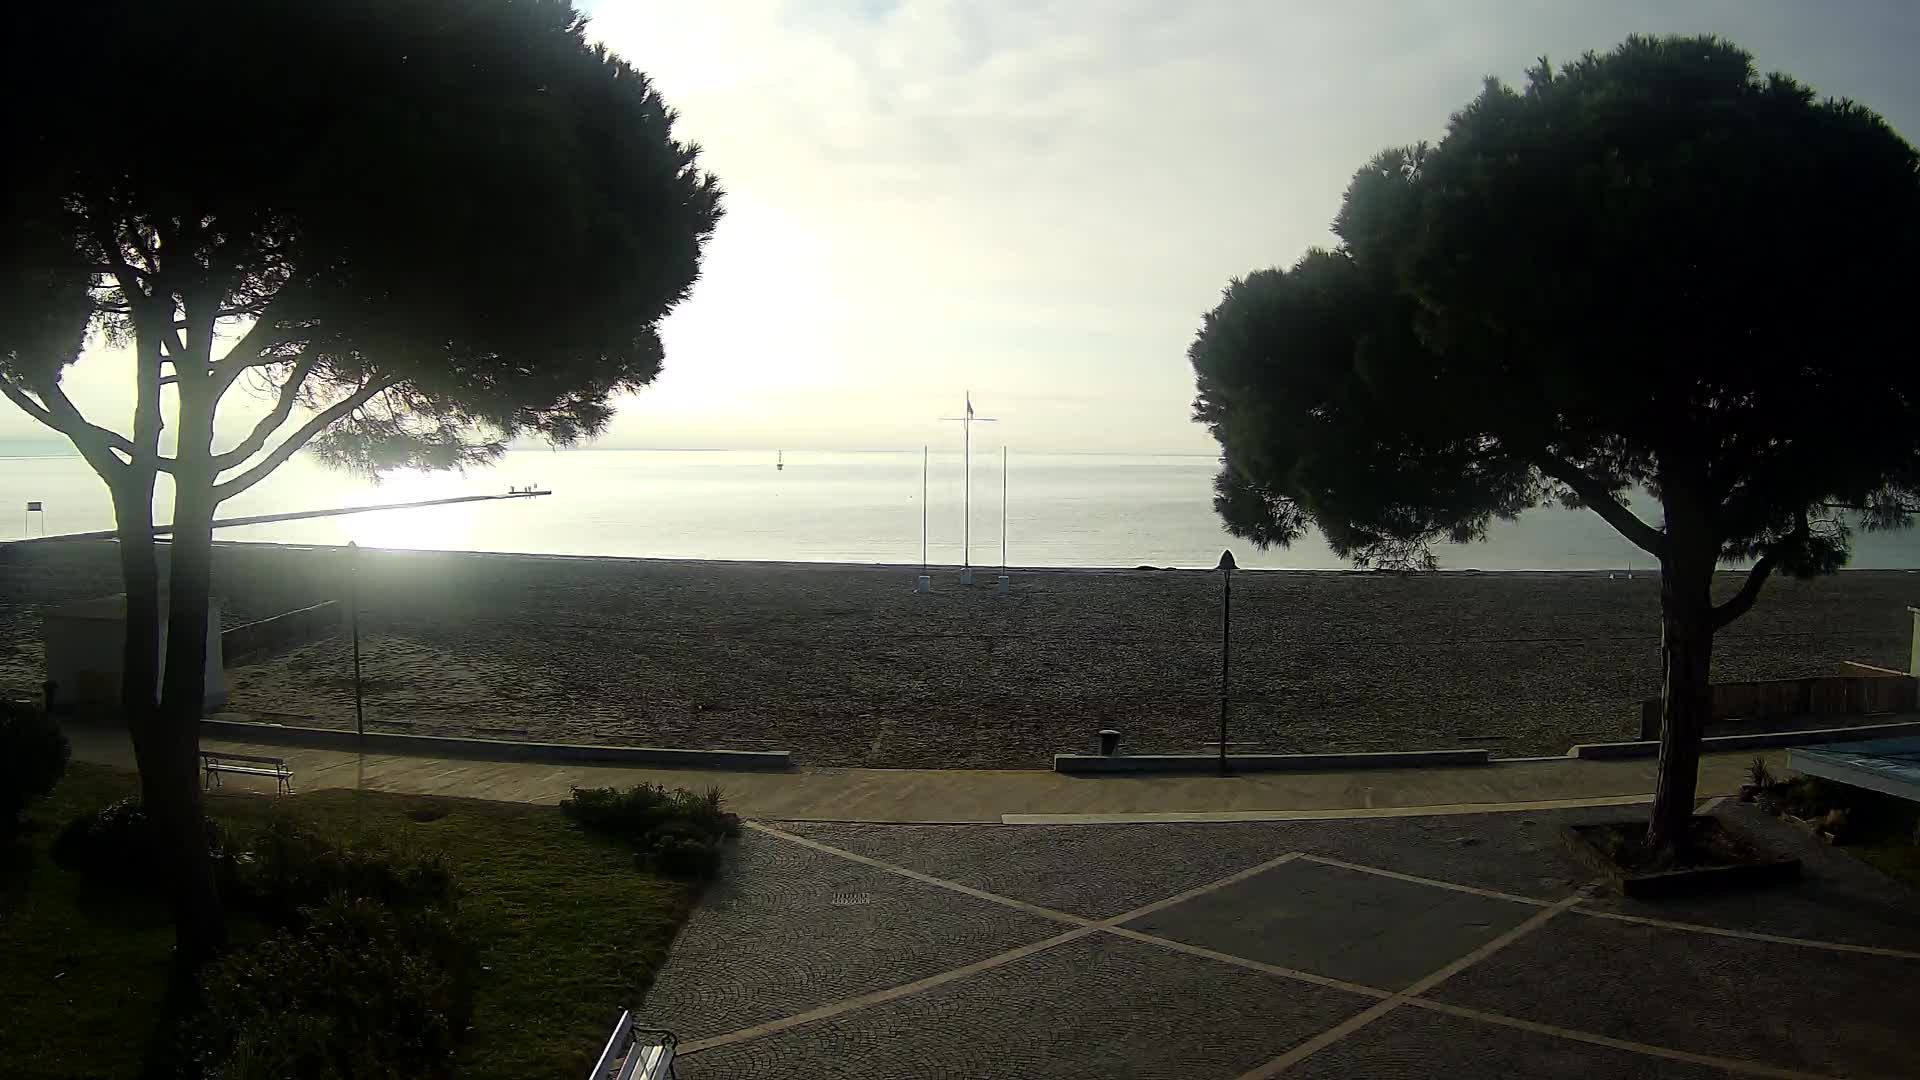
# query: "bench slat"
[[615, 1043], [215, 755], [248, 769], [647, 1063]]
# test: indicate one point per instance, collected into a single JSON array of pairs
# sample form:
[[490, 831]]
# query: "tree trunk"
[[140, 653], [199, 922], [1686, 654], [198, 919]]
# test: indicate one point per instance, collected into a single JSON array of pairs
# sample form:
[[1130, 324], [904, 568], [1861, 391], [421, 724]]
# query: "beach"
[[847, 666]]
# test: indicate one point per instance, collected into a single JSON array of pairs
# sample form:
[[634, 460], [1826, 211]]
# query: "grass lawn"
[[570, 932]]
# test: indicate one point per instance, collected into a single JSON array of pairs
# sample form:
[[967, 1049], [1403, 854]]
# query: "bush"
[[676, 832], [114, 843], [287, 866], [360, 991], [33, 757], [681, 856]]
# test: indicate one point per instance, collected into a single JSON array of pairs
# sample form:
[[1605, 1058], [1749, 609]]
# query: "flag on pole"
[[34, 507], [969, 404]]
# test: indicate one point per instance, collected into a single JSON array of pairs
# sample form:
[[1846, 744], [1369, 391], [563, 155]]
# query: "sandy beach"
[[845, 665]]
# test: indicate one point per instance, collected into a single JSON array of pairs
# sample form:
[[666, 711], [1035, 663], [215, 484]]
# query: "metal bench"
[[635, 1053], [215, 762]]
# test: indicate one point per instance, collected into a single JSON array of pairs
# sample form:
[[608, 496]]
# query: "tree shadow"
[[17, 864], [121, 902], [170, 1045]]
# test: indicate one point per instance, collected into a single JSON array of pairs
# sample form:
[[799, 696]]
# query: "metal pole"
[[353, 607], [1226, 646], [1003, 506], [923, 507], [966, 495]]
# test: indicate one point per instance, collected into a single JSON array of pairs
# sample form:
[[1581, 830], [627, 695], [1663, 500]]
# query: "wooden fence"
[[1839, 695]]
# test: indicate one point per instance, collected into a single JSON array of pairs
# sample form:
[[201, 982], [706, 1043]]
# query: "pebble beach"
[[847, 666]]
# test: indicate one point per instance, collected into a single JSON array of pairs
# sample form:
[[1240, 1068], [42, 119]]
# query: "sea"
[[1022, 509]]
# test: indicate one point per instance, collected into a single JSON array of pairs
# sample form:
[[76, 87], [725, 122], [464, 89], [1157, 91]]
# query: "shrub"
[[361, 990], [675, 832], [115, 843], [287, 866], [33, 757], [681, 856]]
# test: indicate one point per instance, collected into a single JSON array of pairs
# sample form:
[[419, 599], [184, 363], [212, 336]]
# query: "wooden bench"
[[635, 1053], [215, 762]]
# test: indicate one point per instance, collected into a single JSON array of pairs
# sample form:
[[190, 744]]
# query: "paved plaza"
[[1465, 945]]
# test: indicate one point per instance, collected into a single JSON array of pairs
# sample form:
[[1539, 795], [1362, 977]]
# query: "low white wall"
[[84, 644]]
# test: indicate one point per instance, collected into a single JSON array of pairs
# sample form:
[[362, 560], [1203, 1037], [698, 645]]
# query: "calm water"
[[1061, 510]]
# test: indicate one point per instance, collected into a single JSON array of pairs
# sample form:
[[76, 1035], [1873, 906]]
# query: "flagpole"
[[923, 507], [966, 489], [1003, 506]]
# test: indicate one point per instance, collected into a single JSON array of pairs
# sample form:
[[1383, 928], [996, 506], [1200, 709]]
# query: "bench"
[[635, 1053], [215, 762]]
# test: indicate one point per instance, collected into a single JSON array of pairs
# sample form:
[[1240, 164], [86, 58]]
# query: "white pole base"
[[923, 584], [966, 576], [1000, 587]]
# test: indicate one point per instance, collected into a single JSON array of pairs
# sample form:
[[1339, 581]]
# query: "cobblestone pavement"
[[1468, 946]]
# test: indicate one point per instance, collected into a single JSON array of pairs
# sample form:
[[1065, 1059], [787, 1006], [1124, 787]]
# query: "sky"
[[1037, 201]]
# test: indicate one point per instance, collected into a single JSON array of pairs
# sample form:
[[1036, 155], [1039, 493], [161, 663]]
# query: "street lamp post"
[[1226, 569]]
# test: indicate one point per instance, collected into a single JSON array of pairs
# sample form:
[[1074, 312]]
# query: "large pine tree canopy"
[[449, 221], [1653, 268]]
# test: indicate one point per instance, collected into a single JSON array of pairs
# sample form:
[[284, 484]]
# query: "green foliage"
[[678, 833], [482, 209], [370, 973], [33, 757], [290, 866], [359, 990], [1758, 774], [117, 843], [1626, 274], [540, 897]]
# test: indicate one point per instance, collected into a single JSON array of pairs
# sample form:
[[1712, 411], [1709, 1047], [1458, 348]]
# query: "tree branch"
[[1602, 502], [60, 414], [1741, 602], [245, 353], [270, 423], [137, 297], [320, 422], [96, 444]]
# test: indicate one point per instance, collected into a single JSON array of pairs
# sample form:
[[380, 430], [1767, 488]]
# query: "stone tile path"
[[960, 795], [1465, 945]]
